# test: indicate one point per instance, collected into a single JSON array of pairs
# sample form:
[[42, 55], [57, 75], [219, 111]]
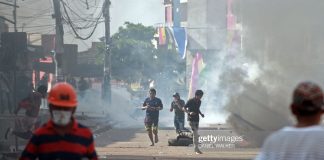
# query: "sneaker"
[[198, 152]]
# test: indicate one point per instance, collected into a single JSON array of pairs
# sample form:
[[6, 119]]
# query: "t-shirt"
[[178, 109], [291, 143], [46, 144], [154, 102], [193, 105]]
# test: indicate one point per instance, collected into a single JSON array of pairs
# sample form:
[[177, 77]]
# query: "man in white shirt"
[[305, 140]]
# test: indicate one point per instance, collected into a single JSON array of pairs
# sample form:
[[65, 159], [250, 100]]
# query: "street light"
[[53, 54]]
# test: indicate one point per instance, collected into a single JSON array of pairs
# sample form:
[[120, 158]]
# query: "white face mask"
[[61, 118]]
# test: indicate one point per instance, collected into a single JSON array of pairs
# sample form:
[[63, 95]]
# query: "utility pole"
[[15, 15], [106, 86], [59, 41], [14, 22]]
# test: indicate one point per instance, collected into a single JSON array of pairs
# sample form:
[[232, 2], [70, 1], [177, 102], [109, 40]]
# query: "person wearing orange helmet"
[[62, 137]]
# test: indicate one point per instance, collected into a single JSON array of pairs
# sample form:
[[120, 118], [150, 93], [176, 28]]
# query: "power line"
[[73, 27], [78, 15], [90, 21], [39, 26]]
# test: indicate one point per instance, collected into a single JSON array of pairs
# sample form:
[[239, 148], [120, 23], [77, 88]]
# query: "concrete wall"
[[206, 24]]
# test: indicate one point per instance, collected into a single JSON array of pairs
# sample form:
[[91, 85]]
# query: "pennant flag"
[[170, 37], [231, 19], [197, 66], [180, 37], [162, 36], [233, 31]]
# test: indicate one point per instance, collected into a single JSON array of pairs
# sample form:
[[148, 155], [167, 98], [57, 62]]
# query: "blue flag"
[[180, 37]]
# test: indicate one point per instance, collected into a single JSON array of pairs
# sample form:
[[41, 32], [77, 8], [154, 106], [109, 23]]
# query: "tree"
[[132, 52], [135, 59]]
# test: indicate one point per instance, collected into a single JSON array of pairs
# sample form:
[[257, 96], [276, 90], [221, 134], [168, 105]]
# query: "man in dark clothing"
[[178, 106], [193, 109], [82, 86], [44, 80], [71, 80], [152, 105]]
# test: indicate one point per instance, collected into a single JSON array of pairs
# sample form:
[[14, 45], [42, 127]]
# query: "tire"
[[180, 142], [184, 141]]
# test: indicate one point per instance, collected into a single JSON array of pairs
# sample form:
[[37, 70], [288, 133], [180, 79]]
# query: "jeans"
[[194, 126], [179, 122]]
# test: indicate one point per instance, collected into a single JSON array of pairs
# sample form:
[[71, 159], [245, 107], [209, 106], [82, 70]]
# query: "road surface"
[[133, 144]]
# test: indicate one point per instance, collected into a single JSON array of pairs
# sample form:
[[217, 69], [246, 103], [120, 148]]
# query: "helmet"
[[63, 95]]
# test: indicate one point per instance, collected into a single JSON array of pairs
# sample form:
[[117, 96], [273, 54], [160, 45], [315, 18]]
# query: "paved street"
[[134, 144]]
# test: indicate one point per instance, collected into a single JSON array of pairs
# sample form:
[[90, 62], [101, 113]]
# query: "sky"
[[35, 16]]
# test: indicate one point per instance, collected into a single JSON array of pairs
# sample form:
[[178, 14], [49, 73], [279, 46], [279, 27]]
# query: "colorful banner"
[[170, 38], [233, 30], [197, 67], [162, 36], [231, 19]]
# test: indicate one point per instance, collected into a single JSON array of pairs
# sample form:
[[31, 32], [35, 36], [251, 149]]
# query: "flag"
[[233, 33], [162, 36], [170, 37], [197, 67], [181, 41], [231, 19]]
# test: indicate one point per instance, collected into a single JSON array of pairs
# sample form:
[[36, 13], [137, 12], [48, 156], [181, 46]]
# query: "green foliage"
[[133, 52], [134, 57]]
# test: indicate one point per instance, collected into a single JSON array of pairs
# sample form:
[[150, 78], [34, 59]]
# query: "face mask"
[[61, 118]]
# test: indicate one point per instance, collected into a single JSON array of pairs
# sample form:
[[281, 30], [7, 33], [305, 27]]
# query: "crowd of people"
[[304, 140], [153, 105], [63, 137]]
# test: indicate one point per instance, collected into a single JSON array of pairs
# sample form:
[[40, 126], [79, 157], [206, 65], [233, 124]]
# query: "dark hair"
[[307, 108], [176, 94], [153, 90], [199, 92]]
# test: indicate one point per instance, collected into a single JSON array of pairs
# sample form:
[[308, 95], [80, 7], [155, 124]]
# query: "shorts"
[[151, 123]]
